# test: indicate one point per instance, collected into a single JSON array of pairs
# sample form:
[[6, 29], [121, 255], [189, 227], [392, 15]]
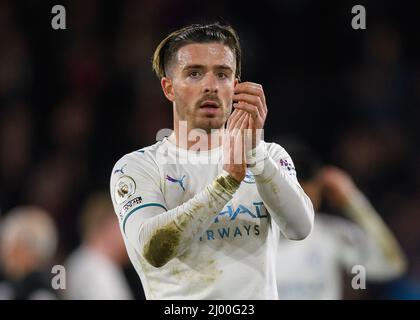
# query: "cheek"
[[184, 93], [227, 94], [228, 88]]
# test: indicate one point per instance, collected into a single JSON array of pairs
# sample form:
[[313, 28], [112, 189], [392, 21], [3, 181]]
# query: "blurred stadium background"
[[73, 101]]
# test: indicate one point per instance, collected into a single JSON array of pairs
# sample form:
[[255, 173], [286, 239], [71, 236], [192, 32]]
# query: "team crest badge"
[[124, 188], [249, 177]]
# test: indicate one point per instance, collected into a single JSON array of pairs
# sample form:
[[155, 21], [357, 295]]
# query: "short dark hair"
[[196, 33]]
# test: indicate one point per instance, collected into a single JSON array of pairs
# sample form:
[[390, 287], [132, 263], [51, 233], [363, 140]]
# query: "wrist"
[[227, 182], [255, 158]]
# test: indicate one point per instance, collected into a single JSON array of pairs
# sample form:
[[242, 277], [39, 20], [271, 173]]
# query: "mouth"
[[209, 105], [210, 108]]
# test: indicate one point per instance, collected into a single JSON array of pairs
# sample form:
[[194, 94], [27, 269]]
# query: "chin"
[[210, 124]]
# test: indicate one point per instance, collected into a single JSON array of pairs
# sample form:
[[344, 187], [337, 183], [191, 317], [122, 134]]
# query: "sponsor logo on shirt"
[[179, 181], [129, 205], [120, 170], [231, 214], [231, 232], [243, 213], [288, 166]]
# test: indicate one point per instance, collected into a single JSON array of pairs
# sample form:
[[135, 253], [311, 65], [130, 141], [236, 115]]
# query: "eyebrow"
[[200, 66]]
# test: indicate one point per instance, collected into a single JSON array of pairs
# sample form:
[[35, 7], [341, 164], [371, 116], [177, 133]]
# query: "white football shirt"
[[233, 259]]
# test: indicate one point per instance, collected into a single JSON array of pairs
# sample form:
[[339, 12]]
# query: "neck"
[[196, 139]]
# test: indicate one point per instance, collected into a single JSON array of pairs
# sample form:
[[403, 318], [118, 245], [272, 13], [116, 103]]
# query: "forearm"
[[282, 195], [168, 235], [361, 211]]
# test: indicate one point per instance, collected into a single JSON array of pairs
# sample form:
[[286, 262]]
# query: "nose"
[[210, 84]]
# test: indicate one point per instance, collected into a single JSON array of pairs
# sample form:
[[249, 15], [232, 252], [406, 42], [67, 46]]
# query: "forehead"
[[206, 54]]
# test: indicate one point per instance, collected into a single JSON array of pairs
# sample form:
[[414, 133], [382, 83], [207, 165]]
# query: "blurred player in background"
[[28, 242], [94, 270], [196, 223], [313, 268]]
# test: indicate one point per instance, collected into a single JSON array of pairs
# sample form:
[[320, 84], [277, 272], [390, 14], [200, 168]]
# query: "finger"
[[245, 122], [229, 120], [247, 132], [249, 84], [239, 137], [237, 129], [233, 118], [235, 137], [251, 99], [248, 108], [253, 89], [230, 133], [244, 125], [242, 117], [236, 123], [243, 85]]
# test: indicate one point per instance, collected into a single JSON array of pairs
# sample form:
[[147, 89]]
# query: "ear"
[[167, 88], [236, 82]]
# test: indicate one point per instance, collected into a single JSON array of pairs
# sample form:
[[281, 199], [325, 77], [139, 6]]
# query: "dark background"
[[73, 101]]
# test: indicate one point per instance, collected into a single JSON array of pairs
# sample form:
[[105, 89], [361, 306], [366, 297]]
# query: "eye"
[[194, 74], [222, 75]]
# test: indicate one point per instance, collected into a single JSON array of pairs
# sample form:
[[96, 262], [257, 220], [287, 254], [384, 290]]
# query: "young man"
[[201, 216], [361, 246]]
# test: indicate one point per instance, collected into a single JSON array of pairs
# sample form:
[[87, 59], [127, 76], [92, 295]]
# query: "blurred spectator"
[[406, 225], [27, 246], [94, 270], [313, 268]]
